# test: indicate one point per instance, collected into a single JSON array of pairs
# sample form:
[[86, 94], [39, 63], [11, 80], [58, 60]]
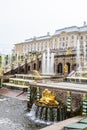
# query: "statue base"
[[65, 75], [50, 112]]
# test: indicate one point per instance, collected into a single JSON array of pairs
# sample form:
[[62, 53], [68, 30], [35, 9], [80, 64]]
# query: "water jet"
[[47, 109]]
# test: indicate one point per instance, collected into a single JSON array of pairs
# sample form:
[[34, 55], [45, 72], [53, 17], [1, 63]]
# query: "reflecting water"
[[14, 115]]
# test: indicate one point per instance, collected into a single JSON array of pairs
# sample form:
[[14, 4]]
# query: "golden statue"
[[36, 72], [69, 52], [37, 75], [2, 71], [66, 68], [48, 98]]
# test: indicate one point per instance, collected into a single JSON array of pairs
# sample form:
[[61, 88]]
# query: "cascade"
[[52, 63], [47, 113], [47, 109], [43, 63], [48, 62], [80, 75], [78, 58]]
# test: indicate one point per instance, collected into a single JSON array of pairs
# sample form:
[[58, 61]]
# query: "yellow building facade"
[[63, 43], [65, 38]]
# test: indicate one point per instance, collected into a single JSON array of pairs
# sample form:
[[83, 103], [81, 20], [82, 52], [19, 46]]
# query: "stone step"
[[19, 79], [15, 85]]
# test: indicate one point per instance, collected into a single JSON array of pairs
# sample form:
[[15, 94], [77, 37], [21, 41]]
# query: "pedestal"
[[65, 75]]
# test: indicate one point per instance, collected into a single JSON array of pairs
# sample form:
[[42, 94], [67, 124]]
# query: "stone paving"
[[13, 93]]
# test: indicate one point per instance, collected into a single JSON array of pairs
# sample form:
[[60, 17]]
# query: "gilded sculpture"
[[48, 98], [69, 52], [2, 71], [37, 75], [66, 68]]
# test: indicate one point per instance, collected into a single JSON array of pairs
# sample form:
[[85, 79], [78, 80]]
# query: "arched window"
[[34, 66], [28, 68], [59, 68], [39, 64], [68, 67]]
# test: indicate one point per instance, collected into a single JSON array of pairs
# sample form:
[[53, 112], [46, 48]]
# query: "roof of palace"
[[38, 38], [71, 29], [57, 32]]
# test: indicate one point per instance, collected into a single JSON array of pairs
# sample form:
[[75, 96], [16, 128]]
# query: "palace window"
[[66, 44], [66, 38], [81, 37], [72, 36], [63, 38], [63, 44]]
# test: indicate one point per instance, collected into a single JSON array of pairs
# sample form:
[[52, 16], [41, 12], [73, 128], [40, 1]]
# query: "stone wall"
[[61, 96]]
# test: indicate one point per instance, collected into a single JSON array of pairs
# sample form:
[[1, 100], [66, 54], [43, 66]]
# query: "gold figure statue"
[[48, 98], [2, 71], [36, 72], [37, 75], [69, 52], [66, 68]]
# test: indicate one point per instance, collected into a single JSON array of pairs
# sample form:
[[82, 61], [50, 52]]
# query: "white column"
[[53, 44], [78, 58], [36, 47], [48, 60], [85, 53], [39, 46], [52, 63], [43, 63], [75, 41]]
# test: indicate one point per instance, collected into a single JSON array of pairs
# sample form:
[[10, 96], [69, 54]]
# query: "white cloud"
[[22, 19]]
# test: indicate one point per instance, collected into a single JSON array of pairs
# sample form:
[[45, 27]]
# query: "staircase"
[[21, 82], [15, 67]]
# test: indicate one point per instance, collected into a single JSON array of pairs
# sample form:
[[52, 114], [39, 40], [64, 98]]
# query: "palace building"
[[62, 43]]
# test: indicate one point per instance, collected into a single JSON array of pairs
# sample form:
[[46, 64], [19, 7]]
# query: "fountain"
[[80, 75], [47, 109], [48, 63], [78, 57]]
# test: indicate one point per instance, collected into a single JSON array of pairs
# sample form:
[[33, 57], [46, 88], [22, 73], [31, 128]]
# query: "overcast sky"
[[23, 19]]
